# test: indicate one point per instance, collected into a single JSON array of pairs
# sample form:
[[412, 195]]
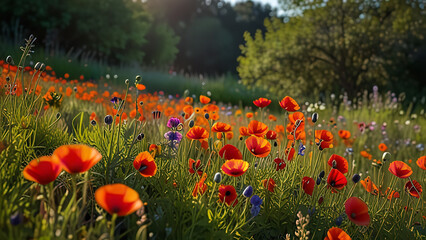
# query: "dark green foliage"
[[338, 45]]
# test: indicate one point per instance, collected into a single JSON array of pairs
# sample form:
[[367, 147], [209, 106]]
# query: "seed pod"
[[356, 178], [140, 136], [37, 66], [108, 119], [314, 117], [9, 60], [386, 156], [138, 78], [217, 177]]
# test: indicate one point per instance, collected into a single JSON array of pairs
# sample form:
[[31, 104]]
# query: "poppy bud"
[[322, 174], [318, 181], [108, 119], [126, 81], [9, 60], [356, 178], [93, 123], [191, 123], [314, 117], [156, 114], [138, 78], [248, 191], [42, 67], [206, 116], [140, 136], [16, 218], [58, 115], [217, 177], [386, 156], [37, 66]]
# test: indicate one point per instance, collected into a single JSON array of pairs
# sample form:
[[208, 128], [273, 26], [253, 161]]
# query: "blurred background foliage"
[[339, 45], [314, 47]]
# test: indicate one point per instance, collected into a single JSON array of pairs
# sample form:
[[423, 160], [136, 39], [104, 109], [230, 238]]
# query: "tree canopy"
[[338, 45]]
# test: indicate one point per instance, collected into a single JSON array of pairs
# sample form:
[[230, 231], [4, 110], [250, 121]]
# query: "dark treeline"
[[196, 36]]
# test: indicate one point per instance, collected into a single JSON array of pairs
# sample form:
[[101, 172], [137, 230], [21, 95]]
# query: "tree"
[[334, 45]]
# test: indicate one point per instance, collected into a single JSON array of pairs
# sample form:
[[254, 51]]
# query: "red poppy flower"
[[344, 134], [257, 128], [269, 184], [145, 164], [421, 162], [365, 154], [259, 147], [308, 185], [204, 99], [200, 187], [340, 163], [290, 153], [244, 131], [383, 147], [280, 163], [43, 170], [289, 104], [369, 186], [228, 195], [336, 179], [393, 194], [413, 188], [140, 87], [262, 102], [195, 166], [230, 152], [357, 211], [400, 169], [235, 167], [336, 233], [324, 139], [221, 127], [271, 135], [197, 133], [77, 158], [118, 198]]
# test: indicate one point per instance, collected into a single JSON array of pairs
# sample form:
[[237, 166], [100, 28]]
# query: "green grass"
[[66, 208]]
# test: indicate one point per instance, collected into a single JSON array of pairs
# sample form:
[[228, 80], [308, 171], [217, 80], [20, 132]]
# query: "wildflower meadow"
[[93, 160]]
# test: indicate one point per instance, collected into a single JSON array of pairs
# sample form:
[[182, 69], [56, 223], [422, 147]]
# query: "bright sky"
[[273, 3]]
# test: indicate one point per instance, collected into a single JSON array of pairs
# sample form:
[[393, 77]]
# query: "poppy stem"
[[111, 233]]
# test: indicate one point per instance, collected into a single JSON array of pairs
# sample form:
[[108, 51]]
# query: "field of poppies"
[[84, 160]]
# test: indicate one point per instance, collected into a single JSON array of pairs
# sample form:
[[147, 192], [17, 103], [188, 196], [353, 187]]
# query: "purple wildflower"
[[173, 122], [173, 136]]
